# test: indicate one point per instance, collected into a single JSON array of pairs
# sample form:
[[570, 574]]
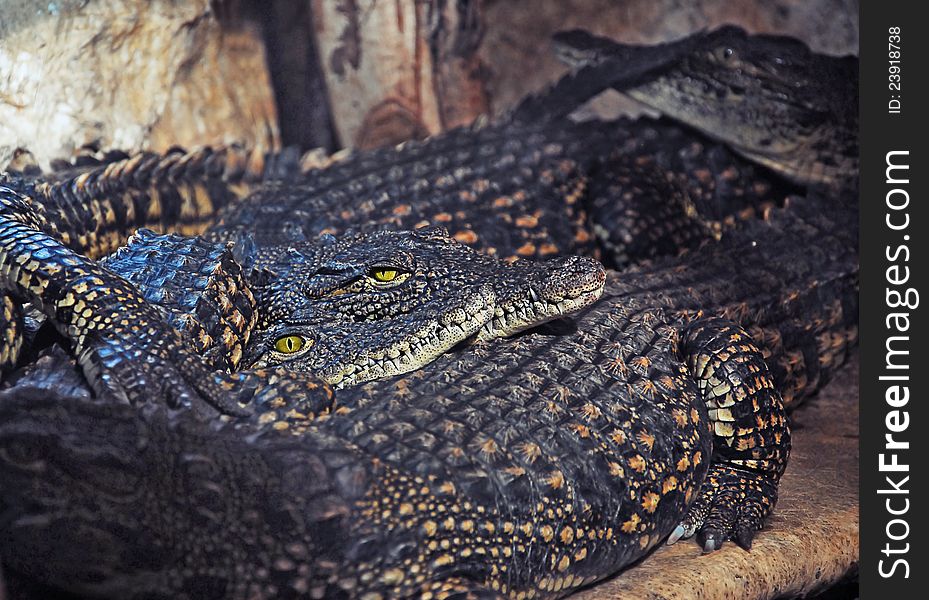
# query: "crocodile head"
[[349, 353], [375, 304], [769, 97]]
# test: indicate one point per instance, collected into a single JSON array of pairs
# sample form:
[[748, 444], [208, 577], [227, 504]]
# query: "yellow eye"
[[384, 275], [289, 344]]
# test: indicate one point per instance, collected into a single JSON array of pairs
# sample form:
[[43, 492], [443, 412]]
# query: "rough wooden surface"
[[398, 70], [131, 74], [810, 542]]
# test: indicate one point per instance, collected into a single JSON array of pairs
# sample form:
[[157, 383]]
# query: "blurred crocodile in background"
[[768, 97]]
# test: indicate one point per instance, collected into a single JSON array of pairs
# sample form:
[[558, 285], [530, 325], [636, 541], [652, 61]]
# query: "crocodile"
[[525, 470], [426, 291], [401, 282], [517, 182], [768, 97]]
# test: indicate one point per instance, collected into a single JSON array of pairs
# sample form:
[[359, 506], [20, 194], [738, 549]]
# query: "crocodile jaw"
[[417, 349], [519, 316], [575, 284]]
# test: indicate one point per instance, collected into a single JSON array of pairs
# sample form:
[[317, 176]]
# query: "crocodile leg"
[[751, 438]]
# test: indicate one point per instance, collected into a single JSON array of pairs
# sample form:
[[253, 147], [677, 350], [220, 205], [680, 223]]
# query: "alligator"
[[768, 97], [524, 469]]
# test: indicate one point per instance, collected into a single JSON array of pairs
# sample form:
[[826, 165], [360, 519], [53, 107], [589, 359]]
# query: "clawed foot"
[[146, 361], [732, 505]]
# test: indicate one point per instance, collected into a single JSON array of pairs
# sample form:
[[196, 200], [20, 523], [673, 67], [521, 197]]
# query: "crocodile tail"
[[813, 328], [122, 503], [790, 279], [247, 164], [201, 287], [93, 204], [563, 97]]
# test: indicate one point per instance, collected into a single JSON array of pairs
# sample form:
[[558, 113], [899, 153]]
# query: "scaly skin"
[[94, 212], [524, 211], [436, 297], [185, 189], [768, 97], [520, 190], [522, 183], [530, 468], [121, 342], [202, 288], [440, 294]]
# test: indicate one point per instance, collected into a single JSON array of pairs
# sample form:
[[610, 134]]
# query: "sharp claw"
[[744, 537], [711, 544], [677, 534]]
